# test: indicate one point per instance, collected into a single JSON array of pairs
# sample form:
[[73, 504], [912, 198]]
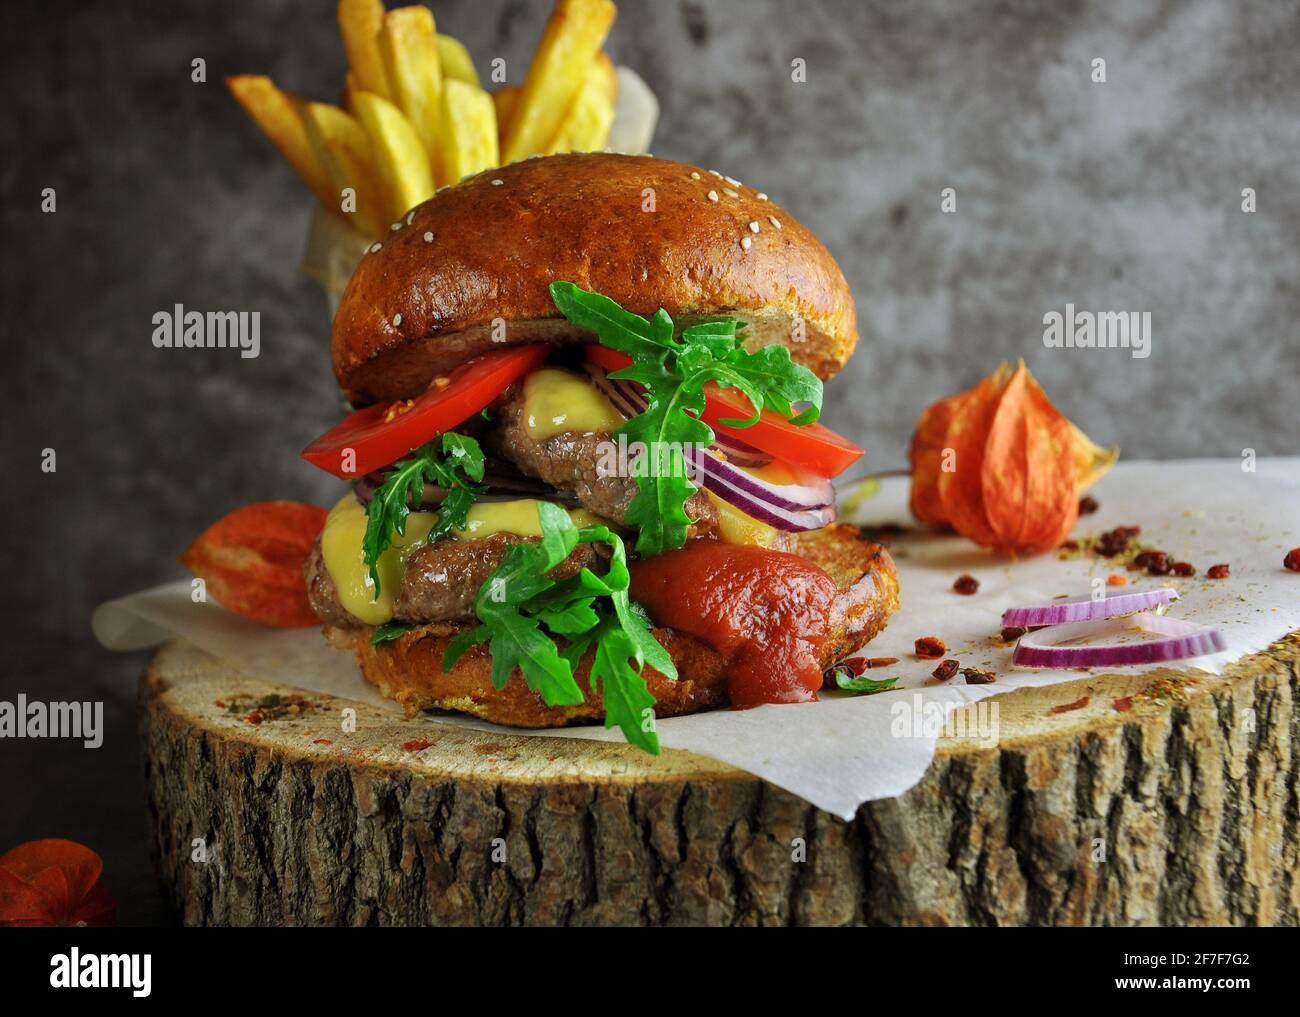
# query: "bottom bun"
[[409, 670]]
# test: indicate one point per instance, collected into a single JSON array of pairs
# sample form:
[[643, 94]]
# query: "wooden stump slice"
[[1180, 809]]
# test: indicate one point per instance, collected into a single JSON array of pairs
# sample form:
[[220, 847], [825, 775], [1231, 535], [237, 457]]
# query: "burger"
[[588, 481]]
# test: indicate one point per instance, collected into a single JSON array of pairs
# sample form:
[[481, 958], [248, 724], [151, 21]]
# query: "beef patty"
[[441, 580], [568, 461]]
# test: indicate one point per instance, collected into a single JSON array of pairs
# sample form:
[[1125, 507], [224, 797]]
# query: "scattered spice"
[[416, 745], [1292, 560], [1123, 704], [966, 585], [1118, 579], [1078, 704], [881, 661], [930, 648], [1164, 690], [1010, 633], [257, 709], [1217, 571], [946, 670], [323, 741], [974, 676]]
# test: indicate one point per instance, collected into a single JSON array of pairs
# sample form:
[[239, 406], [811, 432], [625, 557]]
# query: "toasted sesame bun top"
[[646, 232]]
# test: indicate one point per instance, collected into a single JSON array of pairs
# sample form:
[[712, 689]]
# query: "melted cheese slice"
[[737, 527], [556, 401], [345, 530]]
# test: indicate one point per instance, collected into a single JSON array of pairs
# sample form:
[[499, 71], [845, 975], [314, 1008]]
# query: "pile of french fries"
[[415, 116]]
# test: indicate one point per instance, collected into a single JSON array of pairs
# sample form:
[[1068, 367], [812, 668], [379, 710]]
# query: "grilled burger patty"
[[441, 580], [568, 461]]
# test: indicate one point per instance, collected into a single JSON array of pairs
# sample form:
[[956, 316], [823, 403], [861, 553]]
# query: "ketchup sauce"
[[764, 611]]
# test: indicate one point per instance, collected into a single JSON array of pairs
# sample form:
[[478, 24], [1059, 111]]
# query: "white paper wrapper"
[[334, 248], [843, 751]]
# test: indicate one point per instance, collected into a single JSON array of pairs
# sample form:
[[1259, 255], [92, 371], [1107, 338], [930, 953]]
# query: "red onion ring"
[[1184, 639], [1088, 608], [629, 401]]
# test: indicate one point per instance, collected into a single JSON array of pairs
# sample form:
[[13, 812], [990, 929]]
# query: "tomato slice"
[[377, 441], [812, 446]]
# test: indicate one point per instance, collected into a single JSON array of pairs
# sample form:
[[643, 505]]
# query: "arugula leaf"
[[862, 684], [451, 462], [674, 373], [520, 610], [388, 632]]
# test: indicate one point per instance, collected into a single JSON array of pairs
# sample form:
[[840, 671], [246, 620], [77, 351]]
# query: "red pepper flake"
[[930, 648], [1292, 560], [881, 661], [1078, 704], [1088, 505], [322, 741], [1123, 704], [974, 676], [1217, 571], [1183, 568], [1118, 579], [946, 670], [416, 745], [255, 717], [219, 702], [1011, 633], [966, 585]]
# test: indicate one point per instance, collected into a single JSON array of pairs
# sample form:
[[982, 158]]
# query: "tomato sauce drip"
[[764, 611]]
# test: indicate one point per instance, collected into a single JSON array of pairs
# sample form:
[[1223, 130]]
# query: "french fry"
[[275, 113], [467, 142], [400, 156], [342, 145], [410, 52], [573, 36], [505, 99], [350, 89], [359, 24], [456, 61], [586, 125]]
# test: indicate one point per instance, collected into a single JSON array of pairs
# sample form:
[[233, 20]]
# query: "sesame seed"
[[428, 238], [730, 193], [716, 174], [732, 181], [410, 216], [761, 196], [397, 320], [774, 221], [375, 247], [695, 176], [397, 226], [746, 243], [497, 182], [713, 195], [753, 227]]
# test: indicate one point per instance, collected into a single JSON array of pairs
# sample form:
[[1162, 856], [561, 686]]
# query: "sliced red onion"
[[1184, 639], [1088, 608], [761, 500], [627, 398]]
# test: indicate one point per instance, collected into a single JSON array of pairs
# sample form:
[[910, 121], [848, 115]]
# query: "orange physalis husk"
[[252, 560], [1001, 465], [54, 882]]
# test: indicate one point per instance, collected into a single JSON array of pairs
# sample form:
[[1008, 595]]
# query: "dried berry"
[[1217, 571], [966, 584], [930, 648], [1011, 633], [1114, 542], [974, 676], [1183, 568], [1088, 505], [946, 670], [1159, 564], [1292, 560]]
